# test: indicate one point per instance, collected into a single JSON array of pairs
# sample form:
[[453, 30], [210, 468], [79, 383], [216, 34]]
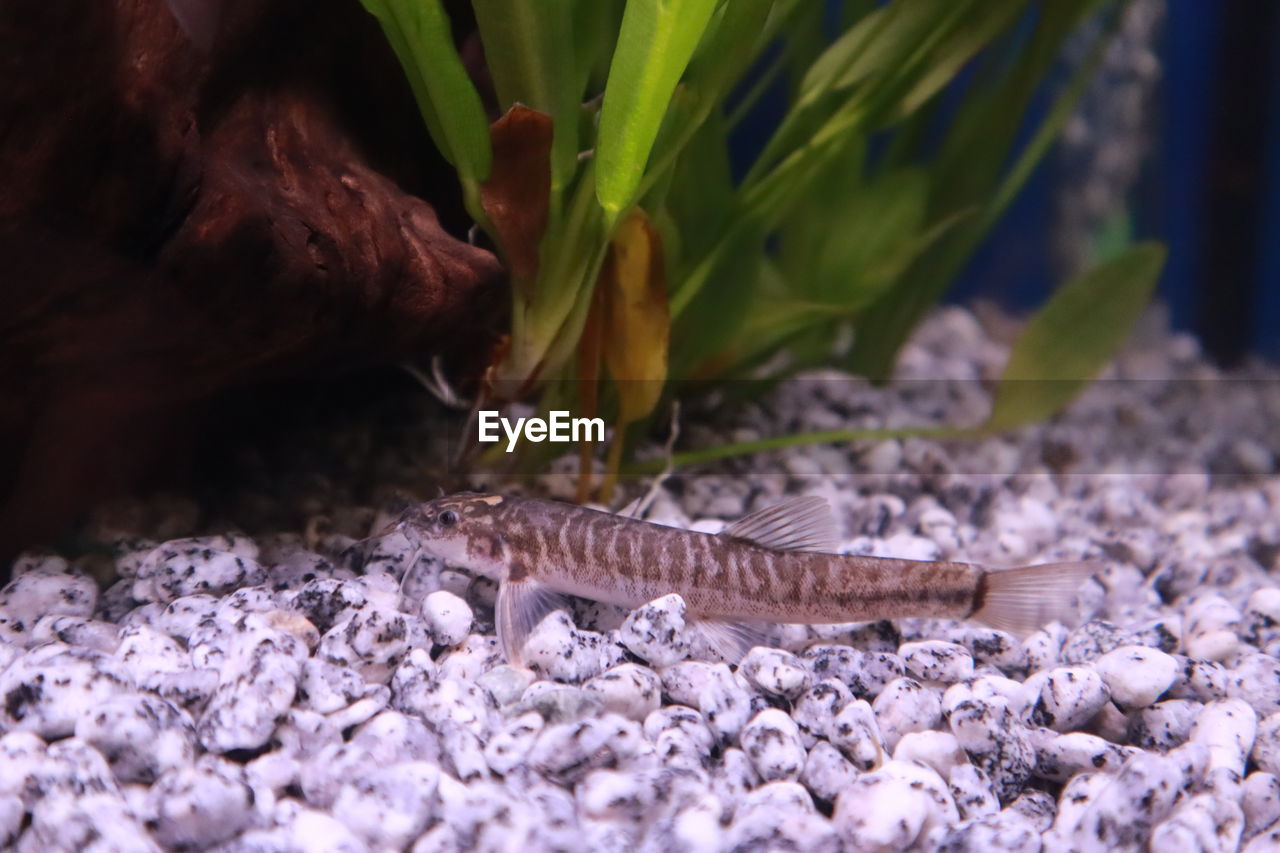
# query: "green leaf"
[[968, 176], [419, 33], [1073, 336], [529, 49], [978, 28], [654, 46]]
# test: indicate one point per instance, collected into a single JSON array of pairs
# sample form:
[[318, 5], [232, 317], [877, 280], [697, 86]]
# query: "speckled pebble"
[[1256, 680], [905, 705], [49, 688], [1201, 680], [826, 771], [815, 711], [1164, 725], [372, 641], [780, 816], [214, 565], [721, 695], [96, 821], [559, 650], [934, 660], [447, 617], [1228, 729], [996, 742], [141, 735], [1070, 696], [1059, 757], [772, 742], [1259, 802], [1136, 676], [1093, 639], [655, 632], [972, 791], [775, 671], [894, 808], [857, 734], [628, 689], [43, 592], [257, 685], [939, 750], [196, 807], [1105, 811], [1203, 822], [509, 746], [390, 806]]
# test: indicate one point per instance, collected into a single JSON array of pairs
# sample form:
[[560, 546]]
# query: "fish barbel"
[[775, 565]]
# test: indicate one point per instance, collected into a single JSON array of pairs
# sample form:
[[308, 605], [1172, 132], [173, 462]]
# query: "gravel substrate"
[[284, 691]]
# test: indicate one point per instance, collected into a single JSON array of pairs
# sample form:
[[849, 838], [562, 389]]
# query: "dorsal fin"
[[795, 524]]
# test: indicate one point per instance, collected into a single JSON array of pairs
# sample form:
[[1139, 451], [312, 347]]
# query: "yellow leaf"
[[637, 321]]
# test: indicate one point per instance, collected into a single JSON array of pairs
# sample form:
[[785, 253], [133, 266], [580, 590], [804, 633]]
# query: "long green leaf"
[[969, 176], [1073, 336], [654, 46], [419, 33], [529, 49]]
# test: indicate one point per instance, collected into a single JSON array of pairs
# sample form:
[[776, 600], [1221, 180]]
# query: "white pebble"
[[1256, 679], [816, 710], [655, 632], [1228, 729], [447, 617], [905, 705], [857, 734], [1070, 696], [826, 771], [775, 671], [939, 750], [1266, 746], [628, 689], [1260, 802], [892, 807], [934, 660], [772, 742], [1136, 676]]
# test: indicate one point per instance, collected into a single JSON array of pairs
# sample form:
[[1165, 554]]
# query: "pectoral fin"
[[796, 524], [521, 605], [732, 640]]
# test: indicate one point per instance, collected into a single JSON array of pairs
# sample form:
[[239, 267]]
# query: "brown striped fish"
[[775, 565]]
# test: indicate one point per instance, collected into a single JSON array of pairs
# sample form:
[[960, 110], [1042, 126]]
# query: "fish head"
[[464, 530]]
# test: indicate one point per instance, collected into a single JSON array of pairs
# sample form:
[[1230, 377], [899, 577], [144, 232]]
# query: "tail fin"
[[1021, 600]]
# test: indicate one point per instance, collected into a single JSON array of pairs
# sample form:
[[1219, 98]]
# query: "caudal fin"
[[1021, 600]]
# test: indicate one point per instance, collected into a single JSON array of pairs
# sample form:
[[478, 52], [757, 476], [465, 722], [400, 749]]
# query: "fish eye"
[[448, 518]]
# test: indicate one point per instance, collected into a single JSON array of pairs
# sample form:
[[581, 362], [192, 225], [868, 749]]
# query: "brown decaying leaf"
[[637, 316], [518, 192], [636, 329]]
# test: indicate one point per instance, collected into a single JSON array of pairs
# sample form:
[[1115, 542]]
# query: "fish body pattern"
[[776, 565]]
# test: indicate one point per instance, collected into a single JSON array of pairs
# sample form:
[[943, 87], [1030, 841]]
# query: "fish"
[[776, 565]]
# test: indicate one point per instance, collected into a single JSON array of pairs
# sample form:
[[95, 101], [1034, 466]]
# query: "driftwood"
[[178, 220]]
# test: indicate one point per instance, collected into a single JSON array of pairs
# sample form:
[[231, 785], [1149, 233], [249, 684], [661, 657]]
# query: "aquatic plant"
[[639, 259]]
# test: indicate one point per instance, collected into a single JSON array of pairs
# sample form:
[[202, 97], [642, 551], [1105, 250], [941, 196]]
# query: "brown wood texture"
[[176, 222]]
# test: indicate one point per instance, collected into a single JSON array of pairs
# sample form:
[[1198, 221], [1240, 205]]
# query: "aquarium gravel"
[[294, 691]]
